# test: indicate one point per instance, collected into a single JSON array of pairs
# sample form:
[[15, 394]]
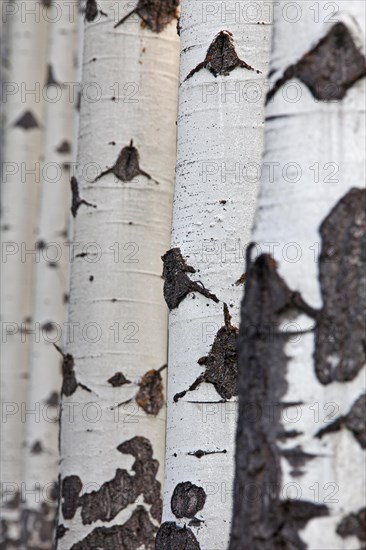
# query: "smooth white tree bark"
[[41, 453], [220, 133], [24, 105], [311, 220], [113, 412]]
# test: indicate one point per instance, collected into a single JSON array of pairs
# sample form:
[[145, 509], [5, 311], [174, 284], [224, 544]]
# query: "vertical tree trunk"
[[113, 414], [300, 463], [41, 453], [24, 104], [224, 59]]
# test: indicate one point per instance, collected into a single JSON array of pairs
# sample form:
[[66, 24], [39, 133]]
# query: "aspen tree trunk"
[[113, 414], [224, 58], [24, 105], [300, 462], [50, 286]]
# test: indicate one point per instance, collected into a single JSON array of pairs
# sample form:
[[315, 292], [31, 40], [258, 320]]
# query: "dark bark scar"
[[353, 525], [187, 500], [27, 121], [155, 14], [150, 396], [332, 67], [354, 421], [127, 166], [221, 362], [170, 536], [177, 284], [51, 79], [76, 200], [221, 57], [92, 10], [118, 379], [69, 382]]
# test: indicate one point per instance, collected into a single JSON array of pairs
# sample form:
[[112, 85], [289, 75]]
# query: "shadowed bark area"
[[261, 520]]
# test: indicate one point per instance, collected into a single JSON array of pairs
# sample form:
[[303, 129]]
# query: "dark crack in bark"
[[172, 537], [187, 500], [353, 421], [221, 57], [265, 522], [177, 284], [221, 362], [200, 453], [136, 533], [340, 343], [127, 166], [76, 200], [329, 69], [155, 14], [27, 121], [353, 525]]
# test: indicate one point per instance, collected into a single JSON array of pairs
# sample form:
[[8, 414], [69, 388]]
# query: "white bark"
[[28, 43], [116, 289], [41, 453], [316, 152], [218, 156]]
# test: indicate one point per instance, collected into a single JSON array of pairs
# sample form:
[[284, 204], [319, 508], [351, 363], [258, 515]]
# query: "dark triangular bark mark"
[[155, 14], [27, 121], [76, 200], [36, 448], [171, 535], [221, 57], [50, 78], [329, 69], [92, 10], [64, 147], [353, 421], [127, 166], [221, 362], [118, 379], [340, 345], [177, 284], [69, 382]]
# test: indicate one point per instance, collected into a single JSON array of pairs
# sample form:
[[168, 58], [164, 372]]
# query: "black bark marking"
[[340, 344], [329, 69], [221, 57], [27, 121], [172, 537], [61, 531], [221, 362], [50, 78], [115, 495], [118, 379], [127, 166], [76, 200], [265, 522], [297, 457], [69, 382], [70, 490], [200, 453], [36, 448], [241, 280], [150, 396], [187, 500], [177, 284], [155, 14], [353, 421], [92, 10], [64, 147], [353, 525], [137, 532], [53, 400]]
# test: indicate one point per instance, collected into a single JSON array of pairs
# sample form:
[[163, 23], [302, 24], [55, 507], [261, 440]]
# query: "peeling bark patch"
[[221, 57], [27, 121], [51, 79], [221, 362], [177, 284], [155, 14], [150, 396], [340, 354], [329, 69], [353, 421], [115, 495], [353, 525], [172, 537], [137, 532], [187, 500], [127, 166], [70, 490], [76, 200], [266, 523], [64, 147], [118, 379]]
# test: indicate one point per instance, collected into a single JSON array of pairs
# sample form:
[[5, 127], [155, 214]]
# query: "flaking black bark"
[[221, 57], [172, 537], [329, 69], [155, 14], [177, 284], [187, 499]]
